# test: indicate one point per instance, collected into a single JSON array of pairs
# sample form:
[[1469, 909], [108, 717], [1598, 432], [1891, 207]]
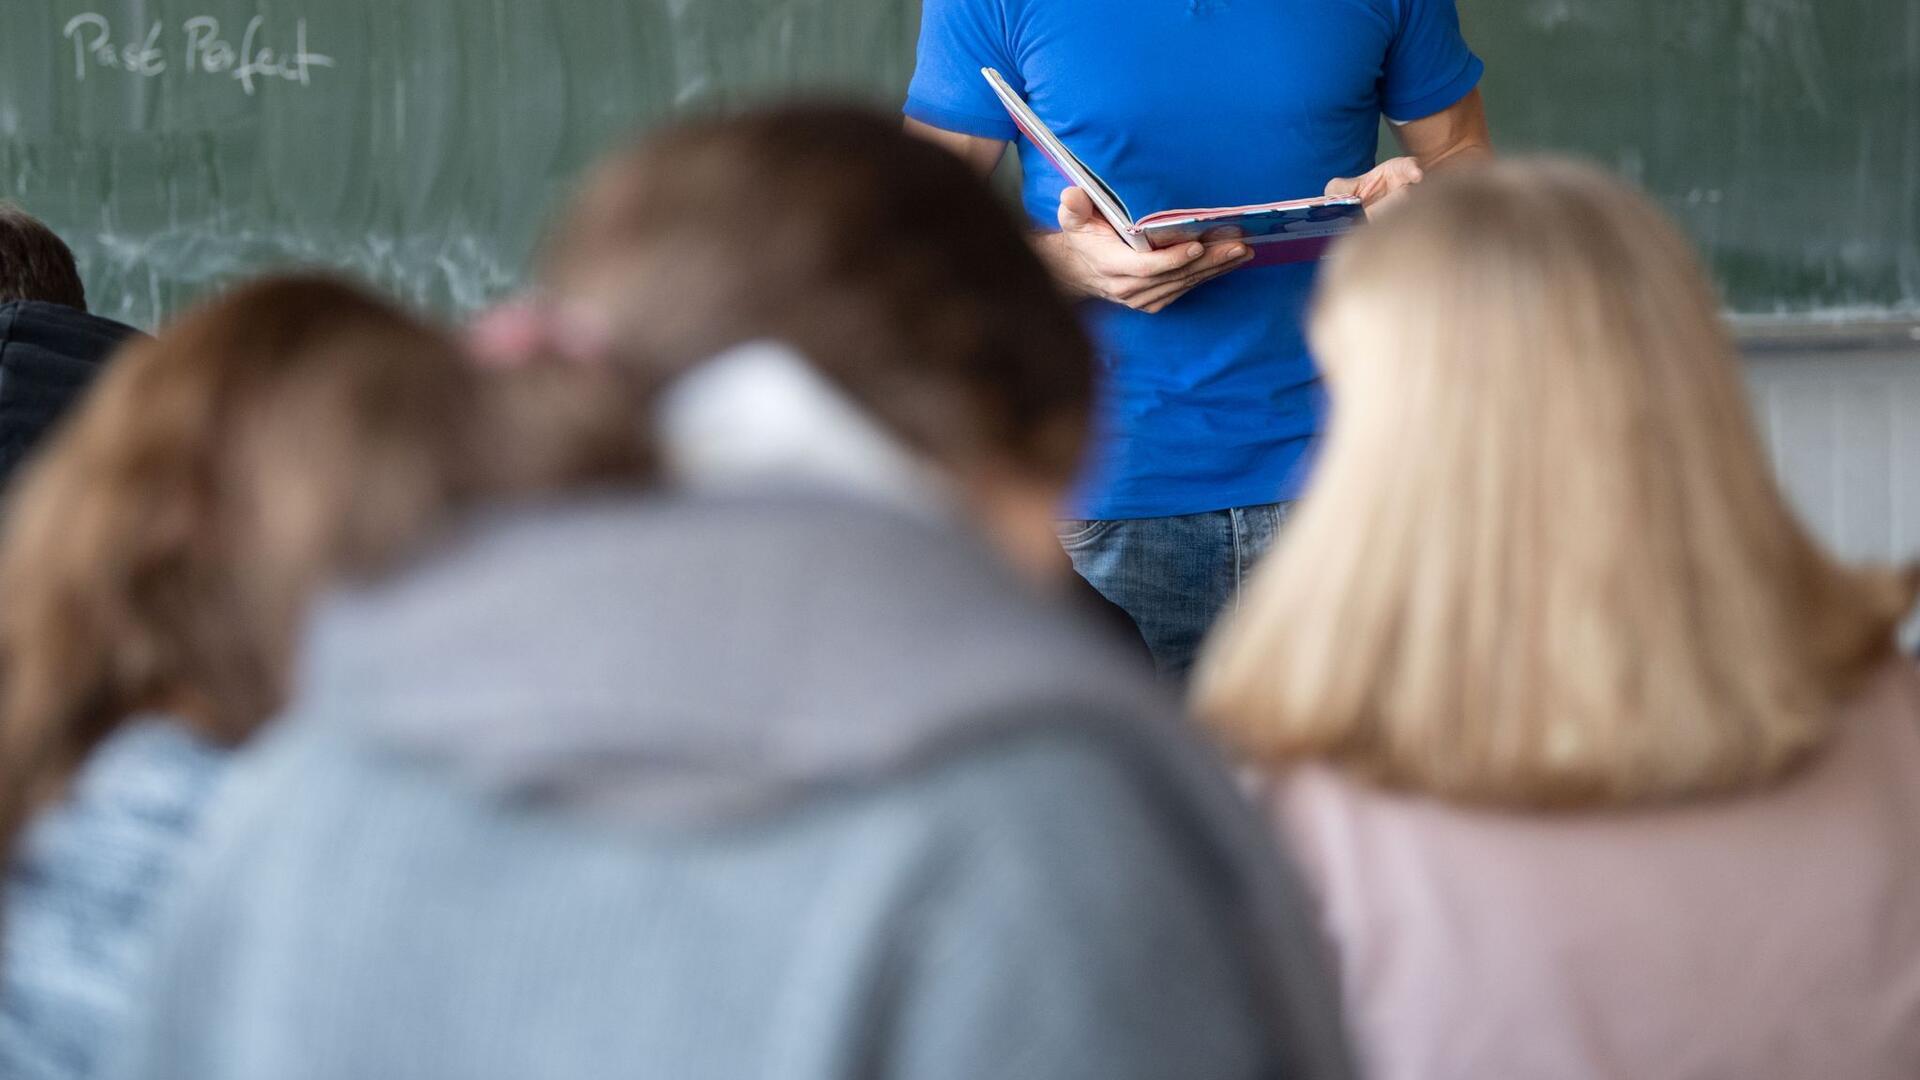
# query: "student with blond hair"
[[1599, 766], [156, 563]]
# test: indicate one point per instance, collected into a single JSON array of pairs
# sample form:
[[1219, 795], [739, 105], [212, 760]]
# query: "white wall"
[[1841, 415]]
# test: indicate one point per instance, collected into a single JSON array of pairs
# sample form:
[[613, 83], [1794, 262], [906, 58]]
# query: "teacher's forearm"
[[1466, 152]]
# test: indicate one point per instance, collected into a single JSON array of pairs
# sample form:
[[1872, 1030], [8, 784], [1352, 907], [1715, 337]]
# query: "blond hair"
[[1543, 561]]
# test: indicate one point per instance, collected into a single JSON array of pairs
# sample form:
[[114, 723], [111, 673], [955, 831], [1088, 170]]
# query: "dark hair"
[[35, 264], [883, 258], [163, 549]]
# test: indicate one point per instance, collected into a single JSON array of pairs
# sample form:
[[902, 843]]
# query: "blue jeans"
[[1174, 575]]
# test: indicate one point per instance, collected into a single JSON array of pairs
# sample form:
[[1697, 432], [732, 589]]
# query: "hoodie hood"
[[49, 355], [700, 656], [714, 659]]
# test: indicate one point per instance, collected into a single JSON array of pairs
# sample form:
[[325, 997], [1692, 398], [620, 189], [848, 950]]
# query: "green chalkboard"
[[180, 144], [1784, 133], [421, 143]]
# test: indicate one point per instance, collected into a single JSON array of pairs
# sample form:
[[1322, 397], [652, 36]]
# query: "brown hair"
[[35, 264], [880, 257], [1544, 561], [159, 556]]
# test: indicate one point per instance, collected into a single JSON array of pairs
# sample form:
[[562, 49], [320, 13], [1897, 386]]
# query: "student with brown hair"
[[1599, 765], [155, 567], [50, 346], [790, 766], [831, 284]]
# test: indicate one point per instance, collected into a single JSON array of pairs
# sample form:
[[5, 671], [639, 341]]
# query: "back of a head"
[[50, 354], [878, 256], [160, 553], [1544, 560], [35, 264]]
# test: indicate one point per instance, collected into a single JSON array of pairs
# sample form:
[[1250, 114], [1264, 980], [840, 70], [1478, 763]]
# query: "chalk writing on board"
[[204, 50]]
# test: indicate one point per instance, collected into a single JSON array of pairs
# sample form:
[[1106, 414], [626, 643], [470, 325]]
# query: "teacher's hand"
[[1386, 184], [1091, 260]]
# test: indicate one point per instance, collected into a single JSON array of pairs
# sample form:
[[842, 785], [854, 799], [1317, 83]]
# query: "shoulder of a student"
[[1317, 810], [1890, 695], [1071, 872], [1064, 809]]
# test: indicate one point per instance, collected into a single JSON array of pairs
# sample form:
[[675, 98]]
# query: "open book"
[[1298, 230]]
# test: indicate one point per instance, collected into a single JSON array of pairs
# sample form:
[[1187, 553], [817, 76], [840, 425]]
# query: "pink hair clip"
[[524, 330]]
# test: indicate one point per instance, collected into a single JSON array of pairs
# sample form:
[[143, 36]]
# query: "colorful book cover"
[[1290, 231]]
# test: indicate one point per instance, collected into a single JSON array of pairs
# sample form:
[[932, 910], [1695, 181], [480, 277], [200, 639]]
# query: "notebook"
[[1297, 230]]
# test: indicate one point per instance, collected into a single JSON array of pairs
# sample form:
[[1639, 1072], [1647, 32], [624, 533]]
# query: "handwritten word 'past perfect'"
[[205, 52]]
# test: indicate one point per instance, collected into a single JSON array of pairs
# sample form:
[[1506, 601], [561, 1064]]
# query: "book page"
[[1070, 166]]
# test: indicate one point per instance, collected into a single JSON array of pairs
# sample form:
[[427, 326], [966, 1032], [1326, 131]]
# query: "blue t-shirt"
[[1213, 402]]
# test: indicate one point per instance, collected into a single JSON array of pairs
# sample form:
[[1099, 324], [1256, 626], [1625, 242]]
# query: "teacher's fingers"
[[1388, 203], [1114, 259], [1076, 210], [1343, 186], [1390, 178], [1220, 260]]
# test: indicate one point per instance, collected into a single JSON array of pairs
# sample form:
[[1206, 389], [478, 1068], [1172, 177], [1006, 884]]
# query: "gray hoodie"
[[729, 787]]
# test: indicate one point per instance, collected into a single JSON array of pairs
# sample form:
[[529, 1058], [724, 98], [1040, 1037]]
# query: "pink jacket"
[[1772, 936]]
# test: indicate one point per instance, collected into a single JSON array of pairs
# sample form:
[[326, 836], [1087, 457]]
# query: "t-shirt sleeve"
[[1429, 66], [957, 39]]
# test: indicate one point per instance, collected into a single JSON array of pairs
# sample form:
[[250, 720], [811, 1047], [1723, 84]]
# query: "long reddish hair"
[[159, 555]]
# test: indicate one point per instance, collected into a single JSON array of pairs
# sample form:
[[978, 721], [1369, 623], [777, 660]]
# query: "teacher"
[[1210, 401]]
